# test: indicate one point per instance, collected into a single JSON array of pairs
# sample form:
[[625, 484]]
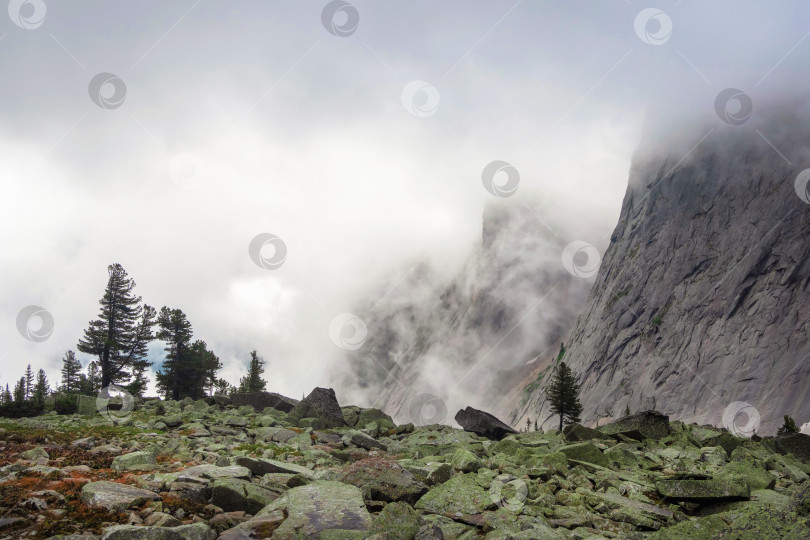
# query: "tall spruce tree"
[[90, 384], [71, 372], [175, 329], [42, 388], [119, 338], [204, 365], [29, 382], [563, 395], [19, 391], [253, 381]]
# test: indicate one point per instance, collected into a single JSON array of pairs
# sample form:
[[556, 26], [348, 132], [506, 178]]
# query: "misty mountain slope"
[[436, 346], [702, 298]]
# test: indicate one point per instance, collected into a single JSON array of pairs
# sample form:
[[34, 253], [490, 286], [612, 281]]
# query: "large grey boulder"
[[114, 496], [644, 425], [383, 480], [482, 423], [135, 461], [232, 494], [321, 403], [320, 509], [194, 531]]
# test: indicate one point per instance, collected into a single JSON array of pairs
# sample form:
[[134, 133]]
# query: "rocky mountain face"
[[208, 469], [700, 308], [436, 346]]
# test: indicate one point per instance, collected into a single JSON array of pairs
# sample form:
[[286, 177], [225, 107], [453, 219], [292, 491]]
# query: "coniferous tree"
[[253, 381], [563, 395], [788, 427], [139, 381], [19, 391], [120, 336], [41, 388], [71, 372], [181, 374], [204, 365], [7, 397], [29, 382], [91, 383], [222, 387]]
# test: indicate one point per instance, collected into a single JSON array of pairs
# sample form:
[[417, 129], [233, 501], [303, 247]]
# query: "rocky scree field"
[[207, 469]]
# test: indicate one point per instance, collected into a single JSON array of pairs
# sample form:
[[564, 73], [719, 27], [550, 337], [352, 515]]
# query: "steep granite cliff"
[[702, 302]]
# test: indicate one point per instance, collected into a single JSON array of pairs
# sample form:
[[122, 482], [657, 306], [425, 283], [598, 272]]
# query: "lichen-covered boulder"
[[114, 496], [235, 494], [644, 425], [135, 461], [194, 531], [397, 521], [383, 480], [321, 403], [323, 508], [461, 494], [703, 490]]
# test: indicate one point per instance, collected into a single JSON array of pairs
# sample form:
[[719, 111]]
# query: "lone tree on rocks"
[[788, 427], [253, 381], [121, 334], [563, 395]]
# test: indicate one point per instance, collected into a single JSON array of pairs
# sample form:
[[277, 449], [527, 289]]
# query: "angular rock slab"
[[261, 400], [321, 403], [482, 423], [115, 497], [322, 508], [382, 480], [459, 495], [233, 494], [644, 425], [261, 466], [195, 531], [708, 490]]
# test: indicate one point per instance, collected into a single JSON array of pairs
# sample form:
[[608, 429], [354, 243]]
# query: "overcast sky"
[[358, 139]]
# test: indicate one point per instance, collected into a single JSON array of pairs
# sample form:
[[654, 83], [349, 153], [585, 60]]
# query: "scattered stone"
[[644, 425], [483, 423], [578, 432], [115, 497], [705, 490], [586, 452], [260, 466], [323, 508], [460, 495], [194, 531], [234, 494], [382, 480], [135, 461]]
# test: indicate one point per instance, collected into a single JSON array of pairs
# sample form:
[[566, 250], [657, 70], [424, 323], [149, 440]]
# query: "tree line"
[[119, 339]]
